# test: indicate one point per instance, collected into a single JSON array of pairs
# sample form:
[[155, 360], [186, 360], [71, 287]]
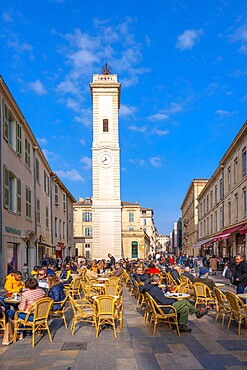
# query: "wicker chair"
[[202, 294], [221, 305], [112, 289], [114, 280], [40, 310], [81, 313], [60, 313], [3, 322], [106, 312], [75, 288], [238, 310]]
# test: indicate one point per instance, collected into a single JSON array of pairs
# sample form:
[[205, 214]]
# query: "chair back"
[[220, 298], [201, 290], [112, 289], [42, 308], [235, 303], [114, 280], [105, 305], [182, 288]]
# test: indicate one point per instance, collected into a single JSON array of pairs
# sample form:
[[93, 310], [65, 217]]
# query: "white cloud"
[[139, 162], [7, 17], [159, 132], [82, 141], [126, 110], [243, 49], [50, 155], [72, 175], [37, 87], [138, 129], [42, 140], [158, 117], [87, 162], [155, 161], [188, 39], [240, 34], [68, 86], [223, 113]]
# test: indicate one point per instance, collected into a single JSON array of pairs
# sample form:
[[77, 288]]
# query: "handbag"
[[8, 334], [227, 273]]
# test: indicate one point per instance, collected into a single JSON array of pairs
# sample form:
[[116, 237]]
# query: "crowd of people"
[[50, 277]]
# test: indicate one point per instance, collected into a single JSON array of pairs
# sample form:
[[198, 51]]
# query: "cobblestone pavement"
[[209, 346]]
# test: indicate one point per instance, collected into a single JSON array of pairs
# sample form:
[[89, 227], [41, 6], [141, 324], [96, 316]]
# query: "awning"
[[243, 230], [201, 242], [225, 234]]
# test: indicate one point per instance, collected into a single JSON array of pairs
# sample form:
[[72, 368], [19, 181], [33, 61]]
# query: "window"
[[244, 162], [27, 153], [144, 222], [47, 217], [131, 216], [12, 131], [131, 228], [244, 202], [216, 194], [211, 224], [64, 202], [235, 170], [229, 178], [12, 191], [207, 226], [63, 230], [38, 210], [221, 189], [215, 222], [56, 227], [134, 249], [88, 231], [46, 183], [37, 169], [236, 207], [56, 194], [211, 198], [28, 203], [229, 212], [105, 125], [204, 206], [221, 217], [207, 203], [87, 216], [60, 229]]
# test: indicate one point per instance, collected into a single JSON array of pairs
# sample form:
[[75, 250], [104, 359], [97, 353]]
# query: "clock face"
[[105, 159]]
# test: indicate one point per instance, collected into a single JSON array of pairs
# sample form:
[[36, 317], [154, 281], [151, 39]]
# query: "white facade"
[[105, 91]]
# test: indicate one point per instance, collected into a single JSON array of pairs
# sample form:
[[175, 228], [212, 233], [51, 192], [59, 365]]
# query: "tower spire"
[[106, 70]]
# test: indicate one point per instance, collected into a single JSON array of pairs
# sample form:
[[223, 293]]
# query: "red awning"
[[243, 229], [226, 233]]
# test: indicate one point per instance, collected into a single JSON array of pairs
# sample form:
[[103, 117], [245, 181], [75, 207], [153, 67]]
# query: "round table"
[[177, 295], [220, 285], [103, 279], [242, 296]]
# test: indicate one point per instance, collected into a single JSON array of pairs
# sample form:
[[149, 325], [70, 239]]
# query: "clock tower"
[[106, 205]]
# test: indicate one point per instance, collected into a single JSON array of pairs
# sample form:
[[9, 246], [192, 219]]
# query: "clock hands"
[[104, 160]]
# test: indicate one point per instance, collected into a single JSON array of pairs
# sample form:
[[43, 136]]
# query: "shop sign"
[[11, 230]]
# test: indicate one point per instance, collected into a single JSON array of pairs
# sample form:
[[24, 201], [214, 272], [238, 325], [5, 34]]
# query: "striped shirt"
[[30, 296]]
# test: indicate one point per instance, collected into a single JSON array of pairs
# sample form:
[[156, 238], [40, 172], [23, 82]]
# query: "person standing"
[[239, 273], [213, 264]]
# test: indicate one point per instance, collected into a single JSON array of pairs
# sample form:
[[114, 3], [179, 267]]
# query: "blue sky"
[[182, 66]]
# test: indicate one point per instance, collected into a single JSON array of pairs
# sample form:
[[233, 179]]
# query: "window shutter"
[[18, 139], [6, 187], [6, 123], [18, 196]]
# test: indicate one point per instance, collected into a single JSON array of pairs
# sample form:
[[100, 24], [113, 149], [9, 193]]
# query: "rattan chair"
[[112, 289], [221, 305], [75, 288], [158, 315], [114, 280], [3, 322], [106, 312], [202, 294], [238, 310], [40, 310], [60, 313], [81, 313]]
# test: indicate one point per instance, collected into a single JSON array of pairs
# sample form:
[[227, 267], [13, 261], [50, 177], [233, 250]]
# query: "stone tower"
[[105, 92]]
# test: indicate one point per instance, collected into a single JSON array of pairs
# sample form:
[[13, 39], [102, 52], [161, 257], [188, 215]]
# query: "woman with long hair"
[[56, 291]]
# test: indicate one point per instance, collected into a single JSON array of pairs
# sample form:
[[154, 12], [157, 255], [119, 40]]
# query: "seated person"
[[140, 276], [203, 278], [183, 307], [153, 269], [56, 291], [65, 275], [13, 283], [118, 270], [73, 267], [34, 272], [175, 273], [50, 270], [30, 294], [188, 274], [42, 279]]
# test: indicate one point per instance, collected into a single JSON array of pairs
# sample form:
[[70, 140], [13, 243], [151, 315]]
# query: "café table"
[[242, 295], [177, 296], [220, 285], [103, 279]]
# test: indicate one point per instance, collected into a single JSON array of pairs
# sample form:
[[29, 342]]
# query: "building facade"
[[27, 209], [222, 203], [189, 209], [106, 216]]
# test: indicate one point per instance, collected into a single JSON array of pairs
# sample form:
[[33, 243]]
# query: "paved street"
[[209, 346]]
